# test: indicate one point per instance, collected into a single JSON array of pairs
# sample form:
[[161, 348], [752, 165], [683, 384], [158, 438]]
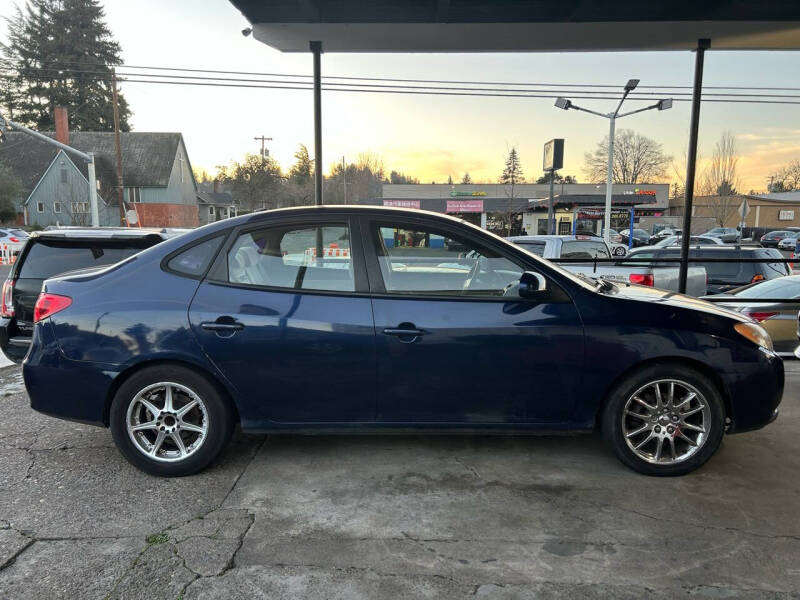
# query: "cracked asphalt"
[[389, 517]]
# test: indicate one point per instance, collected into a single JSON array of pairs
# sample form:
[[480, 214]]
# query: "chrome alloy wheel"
[[167, 421], [666, 421]]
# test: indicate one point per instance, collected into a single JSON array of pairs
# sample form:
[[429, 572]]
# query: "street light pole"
[[566, 104], [87, 157], [609, 178]]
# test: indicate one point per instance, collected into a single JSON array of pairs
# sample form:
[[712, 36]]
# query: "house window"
[[134, 194], [40, 207], [57, 207], [63, 176], [210, 211], [80, 207]]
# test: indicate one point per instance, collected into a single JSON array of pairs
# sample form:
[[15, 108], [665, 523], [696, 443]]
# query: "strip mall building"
[[488, 204]]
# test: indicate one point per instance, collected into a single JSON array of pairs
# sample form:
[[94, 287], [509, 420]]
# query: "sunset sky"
[[429, 137]]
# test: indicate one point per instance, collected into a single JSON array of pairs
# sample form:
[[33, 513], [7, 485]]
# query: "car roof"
[[544, 238], [97, 233]]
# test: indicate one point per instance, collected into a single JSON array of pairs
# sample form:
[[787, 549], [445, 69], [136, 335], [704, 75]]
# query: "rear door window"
[[48, 258]]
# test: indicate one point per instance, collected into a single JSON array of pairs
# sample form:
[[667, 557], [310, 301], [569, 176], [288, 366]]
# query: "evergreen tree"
[[60, 53], [302, 170], [466, 179], [511, 177]]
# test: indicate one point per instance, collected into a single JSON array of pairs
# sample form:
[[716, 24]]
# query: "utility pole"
[[120, 192], [344, 179], [264, 151], [88, 157]]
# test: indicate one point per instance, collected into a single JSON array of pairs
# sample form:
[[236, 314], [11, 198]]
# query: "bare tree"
[[637, 159], [787, 179], [720, 179]]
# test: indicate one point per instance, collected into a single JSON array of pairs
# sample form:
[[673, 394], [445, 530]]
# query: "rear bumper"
[[65, 388], [13, 345]]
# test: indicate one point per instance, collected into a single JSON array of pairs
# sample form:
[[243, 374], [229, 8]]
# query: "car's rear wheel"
[[664, 420], [170, 421]]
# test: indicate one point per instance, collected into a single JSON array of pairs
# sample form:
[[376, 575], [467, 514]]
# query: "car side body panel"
[[136, 312]]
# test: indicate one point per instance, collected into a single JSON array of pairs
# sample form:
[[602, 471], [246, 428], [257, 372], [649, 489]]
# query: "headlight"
[[755, 333]]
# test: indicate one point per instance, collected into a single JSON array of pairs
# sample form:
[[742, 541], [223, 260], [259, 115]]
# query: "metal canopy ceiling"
[[519, 25]]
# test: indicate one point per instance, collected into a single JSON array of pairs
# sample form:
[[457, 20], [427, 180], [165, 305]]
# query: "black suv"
[[724, 276], [54, 252]]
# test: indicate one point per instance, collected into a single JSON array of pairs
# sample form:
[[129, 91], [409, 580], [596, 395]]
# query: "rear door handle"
[[404, 332], [226, 326]]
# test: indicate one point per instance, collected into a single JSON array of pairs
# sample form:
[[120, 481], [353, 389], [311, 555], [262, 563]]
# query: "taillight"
[[13, 239], [760, 316], [7, 309], [48, 305], [641, 278], [758, 277]]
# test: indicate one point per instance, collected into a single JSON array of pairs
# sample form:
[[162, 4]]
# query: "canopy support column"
[[691, 161], [316, 49]]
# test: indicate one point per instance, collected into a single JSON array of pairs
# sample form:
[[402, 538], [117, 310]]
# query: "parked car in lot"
[[663, 277], [50, 253], [363, 319], [13, 236], [640, 237], [789, 242], [729, 235], [725, 276], [778, 318], [664, 233], [695, 240], [771, 239]]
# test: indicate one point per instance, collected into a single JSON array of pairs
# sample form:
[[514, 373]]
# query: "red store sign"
[[465, 206]]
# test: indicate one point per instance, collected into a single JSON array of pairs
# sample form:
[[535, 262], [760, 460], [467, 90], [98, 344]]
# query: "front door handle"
[[405, 332]]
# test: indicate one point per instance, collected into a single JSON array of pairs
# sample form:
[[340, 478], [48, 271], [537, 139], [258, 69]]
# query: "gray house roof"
[[215, 198], [147, 158]]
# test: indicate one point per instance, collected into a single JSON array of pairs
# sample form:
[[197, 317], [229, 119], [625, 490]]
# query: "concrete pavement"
[[389, 517]]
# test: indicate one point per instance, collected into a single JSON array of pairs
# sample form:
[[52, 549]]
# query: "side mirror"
[[530, 283]]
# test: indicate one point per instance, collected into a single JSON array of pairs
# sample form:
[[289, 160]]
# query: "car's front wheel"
[[170, 421], [664, 420]]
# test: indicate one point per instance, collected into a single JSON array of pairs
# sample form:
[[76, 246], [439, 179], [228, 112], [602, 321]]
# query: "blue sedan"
[[354, 319]]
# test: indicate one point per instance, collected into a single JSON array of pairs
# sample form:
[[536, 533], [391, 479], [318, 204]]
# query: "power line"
[[435, 81], [423, 90], [197, 80]]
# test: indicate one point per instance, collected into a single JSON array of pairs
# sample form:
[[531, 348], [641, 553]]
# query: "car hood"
[[643, 293]]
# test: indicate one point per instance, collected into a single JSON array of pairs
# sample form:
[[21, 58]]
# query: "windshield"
[[782, 287]]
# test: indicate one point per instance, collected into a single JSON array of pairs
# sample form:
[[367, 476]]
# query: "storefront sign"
[[598, 213], [456, 193], [465, 206], [402, 203], [639, 192], [786, 215]]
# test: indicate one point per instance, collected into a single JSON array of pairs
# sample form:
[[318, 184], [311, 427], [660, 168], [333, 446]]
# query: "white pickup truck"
[[589, 247]]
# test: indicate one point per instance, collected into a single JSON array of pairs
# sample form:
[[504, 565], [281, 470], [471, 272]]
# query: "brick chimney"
[[62, 125], [216, 186]]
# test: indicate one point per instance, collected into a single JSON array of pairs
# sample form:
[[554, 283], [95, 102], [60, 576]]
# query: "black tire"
[[218, 412], [613, 414]]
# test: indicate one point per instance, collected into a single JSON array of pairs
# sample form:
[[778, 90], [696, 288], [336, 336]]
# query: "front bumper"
[[755, 391]]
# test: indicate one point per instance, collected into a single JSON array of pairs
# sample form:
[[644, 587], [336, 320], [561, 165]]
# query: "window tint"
[[584, 249], [46, 259], [417, 260], [307, 258], [195, 260]]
